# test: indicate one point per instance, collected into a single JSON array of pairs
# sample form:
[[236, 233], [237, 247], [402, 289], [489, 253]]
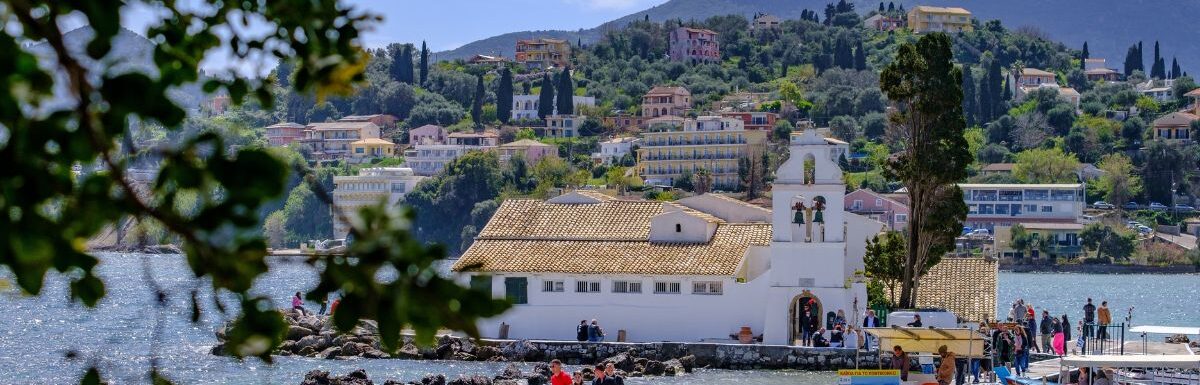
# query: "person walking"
[[298, 304], [1066, 328], [1019, 350], [581, 331], [1104, 318], [1047, 330], [945, 370], [900, 362], [1031, 333], [870, 321], [807, 325], [557, 375], [595, 333], [1089, 318]]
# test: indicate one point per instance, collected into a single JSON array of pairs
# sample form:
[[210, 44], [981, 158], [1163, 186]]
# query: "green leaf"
[[91, 377]]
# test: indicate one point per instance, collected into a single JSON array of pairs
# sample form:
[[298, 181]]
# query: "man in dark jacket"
[[581, 331], [1047, 329], [1089, 318], [870, 321]]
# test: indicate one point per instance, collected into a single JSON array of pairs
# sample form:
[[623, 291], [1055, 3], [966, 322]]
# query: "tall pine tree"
[[546, 97], [566, 93], [1083, 57], [860, 55], [477, 103], [424, 63], [504, 96], [970, 104]]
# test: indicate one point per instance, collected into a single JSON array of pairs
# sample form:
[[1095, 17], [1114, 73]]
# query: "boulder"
[[217, 350], [371, 352], [487, 352], [522, 350], [287, 347], [295, 333], [688, 362], [1177, 339], [463, 356], [672, 367], [432, 379], [654, 368], [510, 372], [307, 351], [320, 377], [408, 351], [314, 342], [472, 380], [350, 349], [621, 361], [330, 353]]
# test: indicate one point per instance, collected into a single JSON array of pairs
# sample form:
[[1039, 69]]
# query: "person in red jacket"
[[559, 377]]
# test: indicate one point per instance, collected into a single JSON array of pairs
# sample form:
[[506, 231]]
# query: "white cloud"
[[614, 5]]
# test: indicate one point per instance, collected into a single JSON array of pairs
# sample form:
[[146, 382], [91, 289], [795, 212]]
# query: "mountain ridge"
[[1108, 26]]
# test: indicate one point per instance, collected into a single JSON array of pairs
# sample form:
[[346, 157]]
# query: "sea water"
[[126, 330]]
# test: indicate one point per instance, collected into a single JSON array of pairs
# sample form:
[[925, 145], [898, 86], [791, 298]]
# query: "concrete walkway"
[[1049, 368]]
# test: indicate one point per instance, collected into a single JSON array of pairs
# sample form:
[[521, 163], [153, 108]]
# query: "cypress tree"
[[546, 97], [984, 98], [1131, 60], [842, 57], [566, 92], [860, 56], [891, 7], [970, 109], [1083, 57], [1157, 67], [424, 62], [1175, 68], [477, 103], [504, 96], [396, 68], [1141, 55], [880, 7], [995, 91]]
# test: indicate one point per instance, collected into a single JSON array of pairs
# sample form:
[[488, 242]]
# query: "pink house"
[[694, 45], [533, 151], [878, 207], [427, 134]]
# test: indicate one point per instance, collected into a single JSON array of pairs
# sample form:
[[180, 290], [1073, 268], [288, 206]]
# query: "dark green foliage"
[[443, 202], [424, 63], [401, 68], [504, 96], [993, 153], [1175, 70], [926, 87], [1166, 166], [566, 89], [782, 130], [546, 97], [1157, 66], [970, 101], [1133, 130], [1108, 242], [860, 57], [1133, 59], [1083, 56], [477, 103]]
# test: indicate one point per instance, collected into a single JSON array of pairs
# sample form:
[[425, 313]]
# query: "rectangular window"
[[587, 286], [666, 288], [986, 209], [1001, 209], [516, 289], [901, 218], [1031, 208], [482, 283], [878, 202], [708, 288], [552, 286], [857, 205], [1047, 209], [626, 287]]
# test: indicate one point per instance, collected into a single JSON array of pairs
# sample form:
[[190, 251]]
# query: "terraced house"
[[712, 143]]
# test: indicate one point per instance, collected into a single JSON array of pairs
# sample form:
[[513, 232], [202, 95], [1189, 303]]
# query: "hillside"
[[1109, 26]]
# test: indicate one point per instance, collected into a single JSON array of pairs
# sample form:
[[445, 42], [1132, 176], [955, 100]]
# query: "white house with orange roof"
[[646, 267]]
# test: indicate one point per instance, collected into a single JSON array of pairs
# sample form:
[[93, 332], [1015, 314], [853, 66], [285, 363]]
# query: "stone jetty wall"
[[713, 355]]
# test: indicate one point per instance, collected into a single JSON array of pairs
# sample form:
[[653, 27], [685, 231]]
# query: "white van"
[[929, 317]]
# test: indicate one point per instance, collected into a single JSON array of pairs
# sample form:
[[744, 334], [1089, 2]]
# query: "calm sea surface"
[[36, 333]]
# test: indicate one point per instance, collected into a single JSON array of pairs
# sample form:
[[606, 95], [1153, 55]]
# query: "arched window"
[[678, 228]]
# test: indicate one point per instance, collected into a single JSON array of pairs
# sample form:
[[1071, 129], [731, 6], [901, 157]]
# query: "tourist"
[[1059, 343], [333, 306], [835, 337], [818, 339], [581, 331], [1005, 341], [916, 323], [577, 378], [1047, 330], [1031, 331], [1104, 317], [558, 376], [1089, 317], [871, 321], [298, 304], [1079, 340], [900, 361], [840, 319], [610, 375], [598, 375], [1020, 351], [1102, 377], [1084, 376], [945, 371], [595, 333], [324, 304], [1066, 328], [850, 339], [806, 326]]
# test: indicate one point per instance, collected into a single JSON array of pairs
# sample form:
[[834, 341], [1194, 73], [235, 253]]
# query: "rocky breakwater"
[[511, 375], [314, 336]]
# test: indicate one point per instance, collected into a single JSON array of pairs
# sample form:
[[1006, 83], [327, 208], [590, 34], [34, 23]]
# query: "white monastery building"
[[700, 268]]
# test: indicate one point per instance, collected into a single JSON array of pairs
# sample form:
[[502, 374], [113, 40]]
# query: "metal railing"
[[1103, 339]]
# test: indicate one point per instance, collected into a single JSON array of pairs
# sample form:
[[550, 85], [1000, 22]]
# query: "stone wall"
[[714, 355]]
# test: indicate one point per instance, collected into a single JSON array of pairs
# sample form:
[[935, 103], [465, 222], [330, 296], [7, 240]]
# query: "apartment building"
[[564, 126], [925, 19], [332, 140], [694, 45], [991, 205], [371, 186], [614, 149], [543, 52], [531, 150], [282, 134], [525, 107], [755, 120], [431, 158], [712, 143]]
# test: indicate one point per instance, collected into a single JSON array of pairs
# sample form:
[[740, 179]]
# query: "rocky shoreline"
[[314, 336], [140, 249]]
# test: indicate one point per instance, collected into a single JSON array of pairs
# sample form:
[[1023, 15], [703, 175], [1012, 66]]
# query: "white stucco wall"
[[645, 317]]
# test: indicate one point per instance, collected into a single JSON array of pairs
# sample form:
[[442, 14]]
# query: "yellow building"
[[543, 52], [924, 18], [1056, 240], [371, 186], [372, 148], [711, 143]]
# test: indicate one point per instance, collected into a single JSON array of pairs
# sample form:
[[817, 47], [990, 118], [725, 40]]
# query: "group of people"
[[841, 333], [947, 370], [603, 374], [589, 333], [298, 305], [1028, 333]]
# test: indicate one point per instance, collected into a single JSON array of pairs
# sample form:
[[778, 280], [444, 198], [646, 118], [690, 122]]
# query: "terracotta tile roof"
[[1035, 72], [668, 90], [534, 219], [1176, 119], [932, 9], [723, 256], [1193, 93], [966, 286], [341, 126]]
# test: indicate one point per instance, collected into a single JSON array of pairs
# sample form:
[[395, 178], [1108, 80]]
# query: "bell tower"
[[808, 193]]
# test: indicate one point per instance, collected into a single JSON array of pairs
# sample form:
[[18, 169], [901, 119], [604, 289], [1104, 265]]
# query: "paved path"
[[1046, 368]]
